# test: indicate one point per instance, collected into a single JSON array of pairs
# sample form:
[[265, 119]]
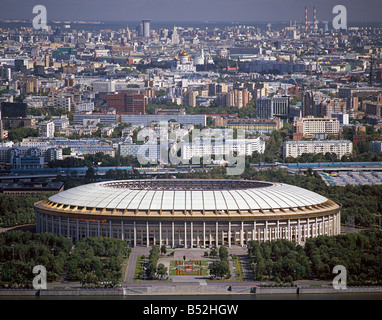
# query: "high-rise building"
[[128, 33], [189, 98], [276, 106], [146, 28], [311, 103], [6, 73], [264, 108], [175, 36]]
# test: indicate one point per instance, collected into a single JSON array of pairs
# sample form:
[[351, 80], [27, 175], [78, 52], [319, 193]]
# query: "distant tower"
[[306, 18], [140, 30], [315, 25], [128, 33], [146, 28], [175, 36], [326, 27]]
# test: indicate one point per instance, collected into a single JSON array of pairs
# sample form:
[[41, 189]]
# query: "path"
[[130, 270]]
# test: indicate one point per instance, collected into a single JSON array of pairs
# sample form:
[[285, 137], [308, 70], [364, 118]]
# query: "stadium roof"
[[188, 195]]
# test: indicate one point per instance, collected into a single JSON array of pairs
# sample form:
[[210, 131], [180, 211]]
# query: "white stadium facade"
[[188, 213]]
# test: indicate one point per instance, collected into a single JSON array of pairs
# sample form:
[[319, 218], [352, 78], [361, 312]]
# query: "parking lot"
[[343, 178]]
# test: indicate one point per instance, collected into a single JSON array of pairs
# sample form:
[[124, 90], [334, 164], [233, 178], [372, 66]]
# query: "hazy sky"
[[191, 10]]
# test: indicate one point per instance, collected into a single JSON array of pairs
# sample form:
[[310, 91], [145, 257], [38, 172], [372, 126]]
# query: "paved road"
[[130, 270]]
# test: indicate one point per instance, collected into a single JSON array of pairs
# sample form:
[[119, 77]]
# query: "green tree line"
[[18, 210], [285, 261], [97, 261], [220, 268], [21, 251]]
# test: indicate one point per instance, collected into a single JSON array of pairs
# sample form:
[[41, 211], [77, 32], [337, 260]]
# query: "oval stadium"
[[188, 212]]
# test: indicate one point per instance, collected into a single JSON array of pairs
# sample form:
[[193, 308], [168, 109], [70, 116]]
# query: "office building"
[[274, 107], [146, 28]]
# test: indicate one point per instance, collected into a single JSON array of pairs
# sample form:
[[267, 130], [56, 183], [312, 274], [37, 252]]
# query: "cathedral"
[[183, 63]]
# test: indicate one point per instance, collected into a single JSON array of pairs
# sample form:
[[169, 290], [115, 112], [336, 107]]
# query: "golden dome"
[[183, 53]]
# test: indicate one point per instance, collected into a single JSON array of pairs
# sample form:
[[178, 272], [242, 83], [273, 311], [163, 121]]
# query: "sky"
[[191, 10]]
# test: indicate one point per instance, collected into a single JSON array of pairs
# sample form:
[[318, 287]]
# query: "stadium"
[[188, 212]]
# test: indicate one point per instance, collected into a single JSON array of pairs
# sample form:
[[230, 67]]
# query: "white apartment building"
[[295, 149], [153, 152], [241, 147], [146, 152], [46, 129], [316, 127], [84, 106]]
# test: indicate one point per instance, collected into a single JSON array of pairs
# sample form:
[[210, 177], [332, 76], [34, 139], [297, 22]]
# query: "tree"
[[219, 268], [213, 252], [90, 174], [223, 253], [161, 270]]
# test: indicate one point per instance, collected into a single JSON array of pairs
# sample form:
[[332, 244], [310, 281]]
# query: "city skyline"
[[196, 10]]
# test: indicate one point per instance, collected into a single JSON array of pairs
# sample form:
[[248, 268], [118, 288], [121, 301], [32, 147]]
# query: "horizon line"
[[8, 20]]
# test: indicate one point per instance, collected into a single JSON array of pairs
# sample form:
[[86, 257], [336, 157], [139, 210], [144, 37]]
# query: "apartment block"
[[127, 102], [319, 128], [294, 149]]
